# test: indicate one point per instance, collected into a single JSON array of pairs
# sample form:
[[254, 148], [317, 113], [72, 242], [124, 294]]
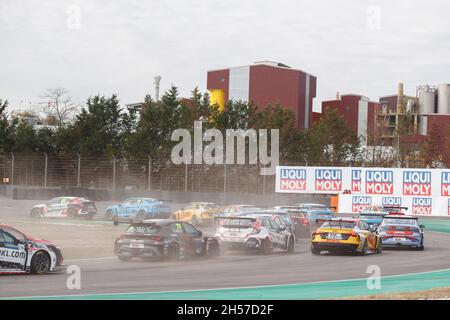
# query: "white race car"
[[261, 232], [19, 256]]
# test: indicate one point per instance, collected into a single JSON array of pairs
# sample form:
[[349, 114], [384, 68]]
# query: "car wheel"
[[364, 249], [214, 249], [40, 263], [380, 246], [266, 247], [37, 214], [291, 245], [109, 215], [141, 216], [314, 250], [72, 213], [125, 258], [194, 220], [174, 253], [421, 248]]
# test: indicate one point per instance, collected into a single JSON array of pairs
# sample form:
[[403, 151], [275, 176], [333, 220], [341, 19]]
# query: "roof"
[[268, 63]]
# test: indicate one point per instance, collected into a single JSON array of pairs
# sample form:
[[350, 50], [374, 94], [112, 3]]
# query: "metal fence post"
[[12, 167], [45, 170], [186, 177], [79, 171], [114, 174], [149, 182], [224, 178]]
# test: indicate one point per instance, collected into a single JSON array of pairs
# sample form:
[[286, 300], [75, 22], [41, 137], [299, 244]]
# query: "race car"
[[257, 231], [65, 207], [138, 210], [164, 238], [345, 235], [238, 209], [401, 231], [24, 237], [299, 219], [198, 213], [18, 254], [378, 209]]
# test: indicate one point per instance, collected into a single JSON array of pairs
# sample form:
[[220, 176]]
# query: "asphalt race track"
[[108, 275]]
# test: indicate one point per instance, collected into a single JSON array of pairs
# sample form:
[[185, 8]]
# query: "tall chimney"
[[157, 81], [400, 95]]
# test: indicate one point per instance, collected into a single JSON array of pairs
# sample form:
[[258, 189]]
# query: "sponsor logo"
[[293, 179], [7, 253], [379, 182], [328, 180], [422, 206], [392, 201], [356, 180], [445, 184], [417, 183], [359, 203]]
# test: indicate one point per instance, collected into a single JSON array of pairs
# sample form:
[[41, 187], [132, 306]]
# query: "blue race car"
[[138, 210], [372, 219], [401, 231]]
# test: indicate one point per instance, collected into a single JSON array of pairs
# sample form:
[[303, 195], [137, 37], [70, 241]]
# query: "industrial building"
[[266, 83], [357, 110], [430, 107]]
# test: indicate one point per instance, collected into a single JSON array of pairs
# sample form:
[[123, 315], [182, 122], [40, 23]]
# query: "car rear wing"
[[234, 218], [400, 217], [393, 207]]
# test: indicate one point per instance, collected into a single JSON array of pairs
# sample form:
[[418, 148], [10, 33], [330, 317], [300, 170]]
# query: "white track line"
[[214, 289]]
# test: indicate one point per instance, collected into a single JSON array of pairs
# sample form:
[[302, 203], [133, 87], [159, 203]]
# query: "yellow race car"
[[198, 213], [345, 235]]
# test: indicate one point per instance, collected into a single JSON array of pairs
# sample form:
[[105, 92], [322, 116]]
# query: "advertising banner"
[[425, 192]]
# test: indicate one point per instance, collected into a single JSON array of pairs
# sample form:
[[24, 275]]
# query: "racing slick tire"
[[194, 220], [214, 249], [174, 253], [125, 258], [421, 248], [266, 247], [141, 216], [72, 213], [291, 245], [380, 246], [364, 249], [40, 263], [37, 213], [109, 215], [315, 251]]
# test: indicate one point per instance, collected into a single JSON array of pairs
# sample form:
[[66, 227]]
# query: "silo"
[[427, 100], [443, 99]]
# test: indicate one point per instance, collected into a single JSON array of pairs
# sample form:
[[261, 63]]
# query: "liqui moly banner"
[[423, 191]]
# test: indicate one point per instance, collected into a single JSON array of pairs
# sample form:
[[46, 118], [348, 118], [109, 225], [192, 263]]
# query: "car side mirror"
[[422, 226]]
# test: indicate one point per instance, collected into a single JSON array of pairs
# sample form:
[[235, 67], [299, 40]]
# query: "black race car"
[[164, 238]]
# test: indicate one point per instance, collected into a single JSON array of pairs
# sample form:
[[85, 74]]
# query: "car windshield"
[[402, 222], [144, 229], [16, 234], [335, 224]]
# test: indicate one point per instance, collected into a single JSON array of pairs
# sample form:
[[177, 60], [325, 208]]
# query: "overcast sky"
[[352, 46]]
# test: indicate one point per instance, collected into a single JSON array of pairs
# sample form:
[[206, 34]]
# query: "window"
[[266, 224], [189, 229], [176, 227], [54, 201], [127, 202], [274, 225], [6, 238]]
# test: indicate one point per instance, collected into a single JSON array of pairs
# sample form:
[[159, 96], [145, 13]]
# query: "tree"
[[59, 107], [433, 152], [332, 141]]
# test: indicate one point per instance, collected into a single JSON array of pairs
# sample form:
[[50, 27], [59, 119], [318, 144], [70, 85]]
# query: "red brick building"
[[265, 83], [357, 110]]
